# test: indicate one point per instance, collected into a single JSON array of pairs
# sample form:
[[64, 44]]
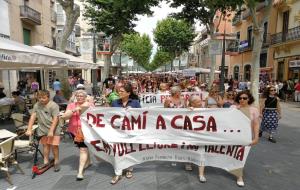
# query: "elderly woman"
[[244, 99], [229, 100], [213, 100], [126, 101], [73, 112], [195, 102], [175, 101]]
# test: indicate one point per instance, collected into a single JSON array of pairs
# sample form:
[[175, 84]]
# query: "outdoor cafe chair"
[[5, 111], [7, 157], [24, 145]]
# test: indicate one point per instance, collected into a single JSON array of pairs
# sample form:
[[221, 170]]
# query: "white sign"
[[126, 137], [189, 72], [295, 63], [215, 47]]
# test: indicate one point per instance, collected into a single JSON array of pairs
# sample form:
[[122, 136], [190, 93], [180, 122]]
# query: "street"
[[269, 166]]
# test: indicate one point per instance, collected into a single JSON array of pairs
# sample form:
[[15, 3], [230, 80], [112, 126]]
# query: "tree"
[[115, 18], [72, 12], [160, 58], [174, 36], [138, 47], [258, 32], [205, 11]]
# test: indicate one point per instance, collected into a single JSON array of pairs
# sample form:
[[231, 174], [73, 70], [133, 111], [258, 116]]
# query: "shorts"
[[78, 144], [55, 140]]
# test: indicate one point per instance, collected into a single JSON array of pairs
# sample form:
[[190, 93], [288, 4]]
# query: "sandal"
[[115, 179], [128, 174]]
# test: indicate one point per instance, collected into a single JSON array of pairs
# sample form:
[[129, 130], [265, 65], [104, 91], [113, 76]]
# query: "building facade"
[[241, 60], [286, 39], [201, 51], [30, 22]]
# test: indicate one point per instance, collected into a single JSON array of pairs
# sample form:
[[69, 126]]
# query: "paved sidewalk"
[[269, 166]]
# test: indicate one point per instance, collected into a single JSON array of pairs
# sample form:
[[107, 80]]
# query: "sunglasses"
[[230, 94], [273, 90], [243, 98]]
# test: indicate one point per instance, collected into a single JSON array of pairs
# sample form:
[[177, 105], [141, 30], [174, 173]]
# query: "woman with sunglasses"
[[229, 100], [127, 100], [244, 100], [213, 100], [270, 112]]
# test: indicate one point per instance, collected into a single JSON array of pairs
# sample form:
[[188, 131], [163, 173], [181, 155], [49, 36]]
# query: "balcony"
[[237, 19], [30, 15], [266, 40], [245, 45], [71, 47], [53, 16], [259, 7], [232, 47], [292, 35]]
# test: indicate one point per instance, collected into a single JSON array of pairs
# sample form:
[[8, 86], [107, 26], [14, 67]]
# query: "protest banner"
[[157, 100], [126, 137]]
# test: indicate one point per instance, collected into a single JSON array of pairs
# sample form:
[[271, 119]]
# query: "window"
[[265, 32], [247, 72], [285, 25], [236, 71], [249, 36], [263, 59], [26, 37], [280, 71]]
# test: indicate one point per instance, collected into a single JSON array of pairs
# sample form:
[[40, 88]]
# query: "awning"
[[14, 55], [74, 62], [203, 70]]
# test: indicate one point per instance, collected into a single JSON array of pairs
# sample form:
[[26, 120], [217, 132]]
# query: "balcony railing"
[[30, 15], [233, 46], [292, 34], [237, 19], [266, 40], [71, 46], [53, 16]]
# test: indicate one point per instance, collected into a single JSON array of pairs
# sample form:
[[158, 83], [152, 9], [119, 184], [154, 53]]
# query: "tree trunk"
[[257, 44], [72, 13], [212, 70]]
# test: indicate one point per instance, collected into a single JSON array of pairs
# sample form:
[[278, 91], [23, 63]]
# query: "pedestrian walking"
[[270, 113]]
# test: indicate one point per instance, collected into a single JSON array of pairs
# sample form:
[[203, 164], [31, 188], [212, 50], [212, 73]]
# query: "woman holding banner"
[[127, 100], [195, 102], [73, 112], [176, 101], [244, 99]]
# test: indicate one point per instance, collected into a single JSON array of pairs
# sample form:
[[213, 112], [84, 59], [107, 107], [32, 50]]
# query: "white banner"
[[157, 100], [126, 137]]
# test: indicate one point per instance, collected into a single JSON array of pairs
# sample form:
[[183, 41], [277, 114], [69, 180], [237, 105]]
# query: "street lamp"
[[94, 80], [222, 78]]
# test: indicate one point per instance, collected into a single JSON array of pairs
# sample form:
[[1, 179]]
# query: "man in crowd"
[[46, 112]]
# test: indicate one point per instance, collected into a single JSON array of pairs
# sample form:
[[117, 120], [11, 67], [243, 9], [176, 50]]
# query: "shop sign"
[[294, 63]]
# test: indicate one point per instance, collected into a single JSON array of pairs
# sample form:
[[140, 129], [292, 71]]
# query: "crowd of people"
[[124, 92]]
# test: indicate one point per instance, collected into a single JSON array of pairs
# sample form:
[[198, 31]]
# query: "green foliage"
[[173, 36], [203, 10], [138, 47], [116, 17], [66, 90], [161, 58]]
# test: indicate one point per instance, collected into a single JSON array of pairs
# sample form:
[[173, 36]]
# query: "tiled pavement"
[[269, 166]]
